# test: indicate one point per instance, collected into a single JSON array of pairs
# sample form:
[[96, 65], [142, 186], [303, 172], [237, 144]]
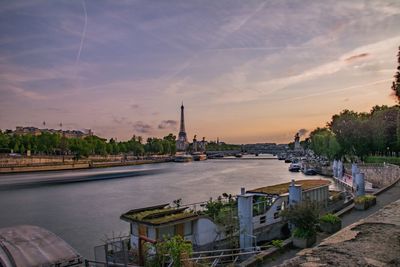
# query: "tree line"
[[57, 144], [374, 133]]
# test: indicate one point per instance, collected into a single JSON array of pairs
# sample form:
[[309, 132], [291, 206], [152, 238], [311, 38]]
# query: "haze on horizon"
[[247, 71]]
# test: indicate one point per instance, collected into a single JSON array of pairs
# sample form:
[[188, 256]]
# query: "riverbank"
[[60, 164]]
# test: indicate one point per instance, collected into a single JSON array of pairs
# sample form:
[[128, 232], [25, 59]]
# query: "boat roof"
[[283, 188], [28, 245], [159, 215]]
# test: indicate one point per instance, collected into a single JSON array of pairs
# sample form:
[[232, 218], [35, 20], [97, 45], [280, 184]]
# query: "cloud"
[[24, 93], [142, 127], [351, 58], [120, 120], [135, 106], [168, 124]]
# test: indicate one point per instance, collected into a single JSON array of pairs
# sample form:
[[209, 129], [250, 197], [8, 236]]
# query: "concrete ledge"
[[372, 241]]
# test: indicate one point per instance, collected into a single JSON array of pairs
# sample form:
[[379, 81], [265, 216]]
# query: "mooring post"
[[354, 171], [360, 184], [245, 213]]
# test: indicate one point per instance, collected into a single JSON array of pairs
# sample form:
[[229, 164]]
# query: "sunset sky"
[[247, 71]]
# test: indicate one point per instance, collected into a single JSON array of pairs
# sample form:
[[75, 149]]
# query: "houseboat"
[[257, 211], [183, 158], [199, 156]]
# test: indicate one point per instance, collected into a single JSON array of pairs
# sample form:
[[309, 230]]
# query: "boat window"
[[151, 233], [261, 204], [263, 219], [167, 231], [134, 229], [188, 228]]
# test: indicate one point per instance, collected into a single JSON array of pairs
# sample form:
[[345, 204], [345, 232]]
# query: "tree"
[[16, 147], [323, 142], [396, 82], [22, 149], [352, 132]]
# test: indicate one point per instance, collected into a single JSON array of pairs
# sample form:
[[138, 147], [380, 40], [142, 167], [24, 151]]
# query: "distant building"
[[199, 146], [182, 144], [19, 130]]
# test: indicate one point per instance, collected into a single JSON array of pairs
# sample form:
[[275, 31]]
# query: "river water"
[[84, 213]]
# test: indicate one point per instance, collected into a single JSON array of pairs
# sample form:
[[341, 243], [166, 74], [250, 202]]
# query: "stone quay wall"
[[380, 175]]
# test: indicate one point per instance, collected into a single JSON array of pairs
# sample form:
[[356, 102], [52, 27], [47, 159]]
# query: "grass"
[[280, 189], [159, 216]]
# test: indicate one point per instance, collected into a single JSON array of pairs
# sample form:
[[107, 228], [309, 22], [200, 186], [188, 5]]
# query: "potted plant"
[[303, 218], [330, 223], [364, 202]]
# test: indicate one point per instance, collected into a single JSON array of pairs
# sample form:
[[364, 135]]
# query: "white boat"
[[294, 167]]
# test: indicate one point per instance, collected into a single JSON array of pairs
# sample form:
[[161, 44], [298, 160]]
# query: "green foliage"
[[277, 243], [56, 144], [303, 233], [330, 218], [219, 210], [365, 198], [396, 82], [167, 145], [304, 216], [359, 134], [213, 146], [323, 142], [379, 159], [173, 248]]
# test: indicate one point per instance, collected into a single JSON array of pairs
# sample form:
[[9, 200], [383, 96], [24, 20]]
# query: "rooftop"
[[28, 245], [280, 189], [158, 215]]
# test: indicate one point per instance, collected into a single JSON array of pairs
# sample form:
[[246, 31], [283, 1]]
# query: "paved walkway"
[[385, 198]]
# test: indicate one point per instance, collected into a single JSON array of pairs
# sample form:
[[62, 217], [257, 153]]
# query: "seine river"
[[84, 213]]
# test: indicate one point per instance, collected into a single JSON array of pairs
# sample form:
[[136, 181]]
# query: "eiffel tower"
[[182, 143]]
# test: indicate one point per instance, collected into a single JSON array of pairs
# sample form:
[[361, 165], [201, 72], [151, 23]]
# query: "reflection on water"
[[83, 213]]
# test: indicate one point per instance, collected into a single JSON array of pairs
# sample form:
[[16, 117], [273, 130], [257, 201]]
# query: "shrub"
[[304, 217], [175, 247], [363, 199], [330, 218]]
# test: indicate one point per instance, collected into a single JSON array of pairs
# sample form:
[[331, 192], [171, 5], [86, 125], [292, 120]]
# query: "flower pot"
[[331, 228], [365, 205], [304, 242], [361, 206]]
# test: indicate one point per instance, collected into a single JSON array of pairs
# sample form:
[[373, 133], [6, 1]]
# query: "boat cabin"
[[156, 223], [261, 210]]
